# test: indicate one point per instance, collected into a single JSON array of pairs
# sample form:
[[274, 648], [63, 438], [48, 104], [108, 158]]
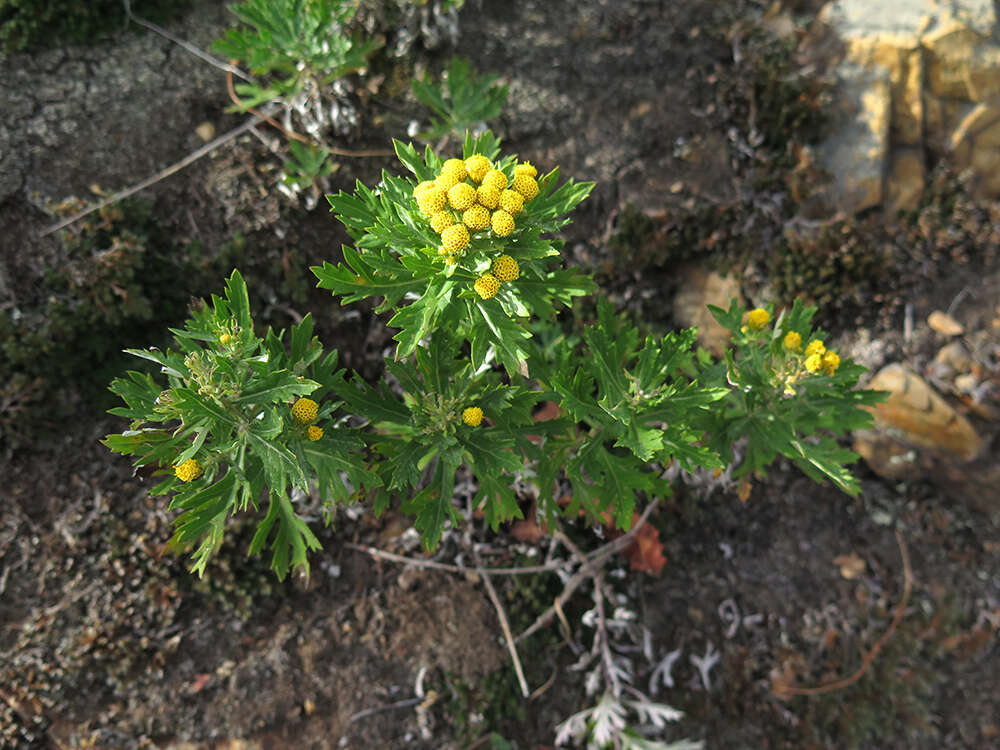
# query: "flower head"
[[461, 196], [815, 347], [831, 361], [455, 238], [793, 341], [304, 411], [495, 179], [225, 338], [456, 168], [506, 268], [441, 221], [487, 286], [477, 166], [814, 362], [526, 168], [512, 202], [488, 196], [526, 186], [188, 471], [476, 218], [314, 433], [502, 223], [473, 416], [432, 200], [446, 180], [758, 318]]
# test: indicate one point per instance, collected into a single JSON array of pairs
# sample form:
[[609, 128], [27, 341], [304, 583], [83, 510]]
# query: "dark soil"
[[108, 642]]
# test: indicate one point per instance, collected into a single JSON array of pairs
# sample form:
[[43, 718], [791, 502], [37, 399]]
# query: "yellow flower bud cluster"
[[470, 195], [473, 416], [816, 356], [304, 411], [504, 268], [188, 471]]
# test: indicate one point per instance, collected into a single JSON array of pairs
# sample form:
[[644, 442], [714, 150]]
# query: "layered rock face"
[[917, 78]]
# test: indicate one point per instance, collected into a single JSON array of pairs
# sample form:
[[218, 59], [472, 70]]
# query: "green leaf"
[[276, 386], [433, 505]]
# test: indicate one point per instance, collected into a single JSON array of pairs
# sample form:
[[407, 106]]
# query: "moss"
[[29, 25]]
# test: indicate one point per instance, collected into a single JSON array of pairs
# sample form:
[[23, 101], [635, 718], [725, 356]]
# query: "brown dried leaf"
[[851, 566]]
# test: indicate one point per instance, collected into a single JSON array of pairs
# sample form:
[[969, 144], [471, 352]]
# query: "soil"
[[108, 642]]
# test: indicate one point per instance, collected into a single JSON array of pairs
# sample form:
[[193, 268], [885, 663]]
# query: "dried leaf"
[[851, 566], [646, 551]]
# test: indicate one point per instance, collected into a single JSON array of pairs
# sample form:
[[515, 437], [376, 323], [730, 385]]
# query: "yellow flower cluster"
[[472, 196], [473, 416], [758, 318], [304, 411], [188, 471], [314, 433], [816, 355], [504, 268]]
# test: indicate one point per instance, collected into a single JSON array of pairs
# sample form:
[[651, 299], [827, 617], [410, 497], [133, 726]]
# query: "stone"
[[902, 58], [944, 323], [917, 415], [855, 155], [975, 145], [904, 18], [962, 63], [906, 179], [699, 289]]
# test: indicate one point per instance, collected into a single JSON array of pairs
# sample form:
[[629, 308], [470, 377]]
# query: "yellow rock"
[[699, 289], [907, 174], [975, 144], [902, 58], [961, 64], [915, 413], [943, 323]]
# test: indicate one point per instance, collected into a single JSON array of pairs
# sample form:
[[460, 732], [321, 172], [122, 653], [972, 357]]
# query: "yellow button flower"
[[473, 416], [487, 286], [225, 338], [506, 268], [461, 196], [476, 218], [477, 166], [495, 179], [814, 362], [815, 347], [432, 200], [502, 223], [304, 411], [441, 221], [758, 318], [793, 342], [488, 196], [526, 168], [446, 181], [512, 202], [422, 186], [188, 471], [455, 238], [314, 433], [526, 186], [456, 168], [831, 361]]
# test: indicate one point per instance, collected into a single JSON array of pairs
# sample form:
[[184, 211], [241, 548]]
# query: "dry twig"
[[505, 626]]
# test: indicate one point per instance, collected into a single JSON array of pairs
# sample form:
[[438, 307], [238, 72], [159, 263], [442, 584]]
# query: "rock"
[[954, 357], [907, 175], [975, 144], [944, 323], [938, 61], [698, 290], [855, 155], [917, 415], [962, 63]]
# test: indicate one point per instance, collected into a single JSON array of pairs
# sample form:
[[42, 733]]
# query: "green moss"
[[29, 25]]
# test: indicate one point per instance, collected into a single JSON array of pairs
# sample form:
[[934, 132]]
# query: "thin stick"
[[196, 51], [391, 707], [434, 565], [161, 175], [869, 658], [587, 571], [505, 626]]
